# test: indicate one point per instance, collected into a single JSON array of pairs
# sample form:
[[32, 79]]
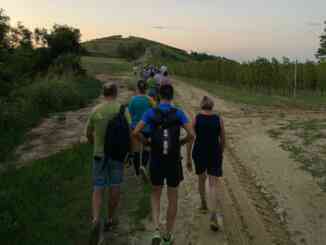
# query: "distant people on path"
[[138, 105], [165, 79], [105, 121], [165, 123], [208, 156]]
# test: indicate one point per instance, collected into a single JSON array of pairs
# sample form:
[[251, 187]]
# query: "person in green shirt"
[[106, 175], [152, 87]]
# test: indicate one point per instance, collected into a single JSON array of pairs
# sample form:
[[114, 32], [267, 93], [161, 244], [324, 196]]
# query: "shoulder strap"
[[122, 109]]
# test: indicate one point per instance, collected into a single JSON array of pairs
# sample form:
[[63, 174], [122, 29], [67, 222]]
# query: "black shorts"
[[162, 170], [213, 167]]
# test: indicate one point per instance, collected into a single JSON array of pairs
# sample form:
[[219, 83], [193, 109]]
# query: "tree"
[[4, 30], [321, 53], [62, 39]]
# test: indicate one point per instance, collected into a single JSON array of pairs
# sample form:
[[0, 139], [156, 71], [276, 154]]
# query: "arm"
[[90, 132], [189, 139], [222, 136], [89, 129], [137, 132]]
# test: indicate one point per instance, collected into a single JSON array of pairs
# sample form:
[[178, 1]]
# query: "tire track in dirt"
[[249, 214]]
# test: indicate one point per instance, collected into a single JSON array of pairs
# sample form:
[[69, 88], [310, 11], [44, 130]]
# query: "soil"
[[265, 197], [276, 201]]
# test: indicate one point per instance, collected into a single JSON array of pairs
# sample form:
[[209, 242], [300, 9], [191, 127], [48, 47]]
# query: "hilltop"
[[133, 47]]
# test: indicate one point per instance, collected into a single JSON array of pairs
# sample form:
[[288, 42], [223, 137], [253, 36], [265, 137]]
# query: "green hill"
[[134, 48]]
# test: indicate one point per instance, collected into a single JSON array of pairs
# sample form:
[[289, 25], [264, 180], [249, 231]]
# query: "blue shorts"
[[107, 175]]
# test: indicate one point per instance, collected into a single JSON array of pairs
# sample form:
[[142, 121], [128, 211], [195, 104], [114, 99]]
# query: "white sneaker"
[[143, 174]]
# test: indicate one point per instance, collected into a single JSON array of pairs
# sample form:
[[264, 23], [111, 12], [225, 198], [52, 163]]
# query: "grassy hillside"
[[111, 47]]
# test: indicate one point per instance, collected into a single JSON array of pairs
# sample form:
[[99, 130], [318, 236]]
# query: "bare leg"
[[202, 190], [156, 204], [97, 200], [114, 198], [172, 208], [213, 186]]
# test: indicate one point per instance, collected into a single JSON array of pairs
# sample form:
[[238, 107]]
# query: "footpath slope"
[[267, 198]]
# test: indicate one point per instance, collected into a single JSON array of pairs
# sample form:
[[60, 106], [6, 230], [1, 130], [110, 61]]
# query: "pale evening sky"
[[239, 29]]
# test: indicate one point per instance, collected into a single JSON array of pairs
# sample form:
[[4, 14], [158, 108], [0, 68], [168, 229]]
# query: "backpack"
[[117, 142], [165, 135]]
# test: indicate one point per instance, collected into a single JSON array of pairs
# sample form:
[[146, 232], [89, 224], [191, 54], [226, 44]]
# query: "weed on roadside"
[[304, 140]]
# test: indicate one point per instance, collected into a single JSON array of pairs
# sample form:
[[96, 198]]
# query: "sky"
[[241, 30]]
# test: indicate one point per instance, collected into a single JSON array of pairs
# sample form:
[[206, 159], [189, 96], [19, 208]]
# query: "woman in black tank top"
[[208, 154]]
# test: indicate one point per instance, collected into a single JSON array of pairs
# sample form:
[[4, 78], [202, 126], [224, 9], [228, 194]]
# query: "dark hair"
[[207, 104], [152, 73], [165, 73], [142, 86], [166, 92], [110, 90]]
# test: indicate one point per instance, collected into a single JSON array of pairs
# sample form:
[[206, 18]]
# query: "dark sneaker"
[[168, 240], [156, 240], [214, 223], [203, 208], [95, 234], [109, 225]]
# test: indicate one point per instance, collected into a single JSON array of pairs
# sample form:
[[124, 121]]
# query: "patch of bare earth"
[[267, 197]]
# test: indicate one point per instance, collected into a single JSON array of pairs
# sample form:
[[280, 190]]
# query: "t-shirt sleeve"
[[182, 117]]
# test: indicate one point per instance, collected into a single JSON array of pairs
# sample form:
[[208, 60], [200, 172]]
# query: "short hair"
[[207, 104], [165, 73], [166, 92], [110, 90], [142, 86]]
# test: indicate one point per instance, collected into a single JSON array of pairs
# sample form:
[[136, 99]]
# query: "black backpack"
[[117, 137], [165, 136]]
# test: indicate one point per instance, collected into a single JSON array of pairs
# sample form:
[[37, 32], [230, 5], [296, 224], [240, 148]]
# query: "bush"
[[24, 107]]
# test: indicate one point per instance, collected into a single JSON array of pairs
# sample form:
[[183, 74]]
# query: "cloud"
[[313, 24], [160, 27], [174, 28]]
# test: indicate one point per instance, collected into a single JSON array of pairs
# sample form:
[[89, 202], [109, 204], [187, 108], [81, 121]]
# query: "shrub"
[[24, 107]]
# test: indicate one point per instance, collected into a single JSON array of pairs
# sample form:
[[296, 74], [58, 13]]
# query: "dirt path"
[[267, 199]]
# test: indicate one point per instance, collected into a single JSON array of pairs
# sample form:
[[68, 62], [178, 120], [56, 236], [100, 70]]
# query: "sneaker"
[[95, 234], [203, 208], [156, 240], [214, 223], [143, 174], [109, 225], [168, 240]]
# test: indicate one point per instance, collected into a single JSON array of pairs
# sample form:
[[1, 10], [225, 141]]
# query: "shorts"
[[162, 170], [211, 167], [107, 175]]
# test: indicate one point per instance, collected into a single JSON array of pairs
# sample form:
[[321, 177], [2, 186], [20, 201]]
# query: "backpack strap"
[[165, 119], [122, 110]]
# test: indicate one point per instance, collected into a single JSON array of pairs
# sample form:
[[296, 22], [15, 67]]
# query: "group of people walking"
[[154, 148]]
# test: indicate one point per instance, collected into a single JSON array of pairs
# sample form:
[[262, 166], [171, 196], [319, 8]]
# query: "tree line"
[[40, 73], [25, 53], [270, 76]]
